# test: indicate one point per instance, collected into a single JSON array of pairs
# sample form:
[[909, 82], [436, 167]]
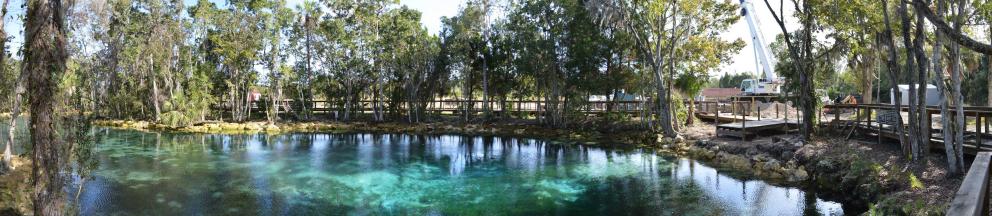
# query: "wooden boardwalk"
[[976, 134]]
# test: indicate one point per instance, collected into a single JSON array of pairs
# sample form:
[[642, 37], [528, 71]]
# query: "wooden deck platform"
[[750, 128], [727, 117]]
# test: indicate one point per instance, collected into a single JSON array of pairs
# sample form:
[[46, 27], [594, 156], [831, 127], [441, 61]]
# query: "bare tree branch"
[[943, 27]]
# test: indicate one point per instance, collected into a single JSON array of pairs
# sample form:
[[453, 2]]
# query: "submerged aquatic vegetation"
[[559, 191], [389, 174], [612, 169]]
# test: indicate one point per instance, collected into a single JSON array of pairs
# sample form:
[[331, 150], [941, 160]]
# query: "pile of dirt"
[[771, 109]]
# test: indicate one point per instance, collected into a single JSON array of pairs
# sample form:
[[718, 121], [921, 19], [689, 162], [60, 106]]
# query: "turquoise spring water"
[[140, 173]]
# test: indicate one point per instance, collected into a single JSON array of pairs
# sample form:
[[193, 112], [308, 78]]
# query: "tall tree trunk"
[[467, 93], [664, 114], [308, 96], [956, 79], [233, 93], [246, 106], [806, 75], [45, 60], [868, 69], [485, 85], [988, 67], [893, 70], [275, 88], [154, 97], [382, 102], [348, 99], [914, 141], [921, 101], [946, 125], [690, 115], [8, 153], [802, 54]]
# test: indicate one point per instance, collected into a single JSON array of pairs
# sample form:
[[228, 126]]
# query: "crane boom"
[[758, 41]]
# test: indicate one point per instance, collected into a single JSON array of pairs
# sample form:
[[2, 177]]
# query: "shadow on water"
[[164, 173]]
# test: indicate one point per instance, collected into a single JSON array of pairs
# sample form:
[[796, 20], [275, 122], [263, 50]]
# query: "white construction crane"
[[769, 84]]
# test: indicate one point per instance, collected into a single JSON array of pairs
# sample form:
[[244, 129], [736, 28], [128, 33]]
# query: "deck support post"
[[928, 128], [743, 128], [984, 125], [776, 110], [857, 121], [755, 105], [834, 123], [978, 130], [733, 111]]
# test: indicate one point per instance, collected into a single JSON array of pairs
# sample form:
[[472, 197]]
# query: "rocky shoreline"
[[822, 166], [635, 138]]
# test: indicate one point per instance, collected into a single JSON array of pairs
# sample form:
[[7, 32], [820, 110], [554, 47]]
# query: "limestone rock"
[[229, 127], [773, 164], [252, 127], [271, 128], [801, 174]]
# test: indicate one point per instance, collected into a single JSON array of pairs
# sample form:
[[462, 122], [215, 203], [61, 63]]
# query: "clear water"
[[20, 132], [138, 173]]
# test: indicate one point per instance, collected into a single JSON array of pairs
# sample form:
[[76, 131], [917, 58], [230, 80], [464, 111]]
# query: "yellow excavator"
[[849, 99]]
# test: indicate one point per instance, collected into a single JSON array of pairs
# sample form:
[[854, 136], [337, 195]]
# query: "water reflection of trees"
[[751, 197]]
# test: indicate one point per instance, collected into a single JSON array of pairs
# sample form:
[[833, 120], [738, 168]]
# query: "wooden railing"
[[529, 106], [972, 197], [978, 123]]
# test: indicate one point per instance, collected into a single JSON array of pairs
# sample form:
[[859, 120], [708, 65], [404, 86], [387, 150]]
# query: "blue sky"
[[433, 10], [13, 25]]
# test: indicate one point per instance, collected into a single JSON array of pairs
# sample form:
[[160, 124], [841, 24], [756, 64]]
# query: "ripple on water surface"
[[149, 173]]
